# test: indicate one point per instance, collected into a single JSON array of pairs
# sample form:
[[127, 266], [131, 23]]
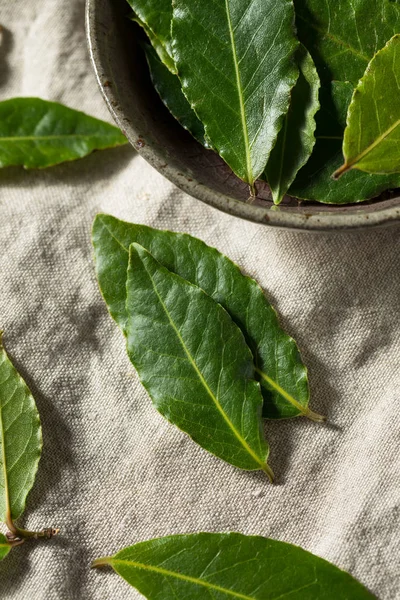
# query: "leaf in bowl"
[[296, 139], [35, 133], [372, 136], [156, 16], [235, 63], [159, 48], [169, 89], [344, 35], [314, 181]]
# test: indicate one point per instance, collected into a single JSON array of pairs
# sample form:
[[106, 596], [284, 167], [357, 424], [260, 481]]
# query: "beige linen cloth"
[[113, 471]]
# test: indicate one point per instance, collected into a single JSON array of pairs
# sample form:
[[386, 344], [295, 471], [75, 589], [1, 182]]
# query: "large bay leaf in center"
[[194, 362], [282, 374]]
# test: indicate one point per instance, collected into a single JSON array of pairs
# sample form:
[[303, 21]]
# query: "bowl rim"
[[357, 216]]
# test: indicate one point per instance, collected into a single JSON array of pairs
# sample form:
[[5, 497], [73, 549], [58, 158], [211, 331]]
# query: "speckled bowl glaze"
[[123, 77]]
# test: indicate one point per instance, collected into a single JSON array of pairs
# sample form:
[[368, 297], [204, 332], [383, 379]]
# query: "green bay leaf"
[[235, 63], [314, 181], [344, 35], [283, 376], [194, 362], [155, 16], [159, 48], [372, 136], [5, 547], [35, 133], [169, 89], [230, 566], [296, 139], [20, 440]]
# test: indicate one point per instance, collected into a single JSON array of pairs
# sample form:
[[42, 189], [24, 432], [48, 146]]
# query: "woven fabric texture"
[[113, 472]]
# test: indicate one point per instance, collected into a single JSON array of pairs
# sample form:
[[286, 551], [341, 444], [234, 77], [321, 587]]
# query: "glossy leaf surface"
[[235, 63], [5, 547], [228, 566], [372, 136], [314, 181], [156, 15], [296, 139], [282, 373], [344, 35], [194, 362], [35, 133], [20, 440], [158, 46], [169, 89]]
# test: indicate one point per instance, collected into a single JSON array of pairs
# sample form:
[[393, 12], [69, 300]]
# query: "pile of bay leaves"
[[301, 93]]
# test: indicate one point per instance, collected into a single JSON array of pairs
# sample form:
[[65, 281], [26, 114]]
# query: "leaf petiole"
[[18, 535], [306, 412], [101, 562]]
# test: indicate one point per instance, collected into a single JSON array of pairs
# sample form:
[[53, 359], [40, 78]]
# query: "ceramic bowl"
[[123, 77]]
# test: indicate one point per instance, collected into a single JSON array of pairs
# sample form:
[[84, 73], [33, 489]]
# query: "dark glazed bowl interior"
[[123, 77]]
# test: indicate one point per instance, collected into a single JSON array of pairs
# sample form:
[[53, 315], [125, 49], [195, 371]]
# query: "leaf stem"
[[307, 412], [16, 534], [269, 472], [343, 169], [46, 534], [101, 562]]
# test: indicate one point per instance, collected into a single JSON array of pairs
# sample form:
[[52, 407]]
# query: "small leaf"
[[344, 35], [314, 181], [20, 440], [230, 565], [194, 362], [169, 89], [159, 48], [156, 16], [235, 63], [372, 136], [296, 139], [5, 547], [35, 133], [282, 373]]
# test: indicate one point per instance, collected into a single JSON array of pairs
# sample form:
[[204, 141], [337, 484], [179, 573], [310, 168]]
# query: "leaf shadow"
[[15, 569], [97, 167], [6, 46], [87, 324], [358, 292]]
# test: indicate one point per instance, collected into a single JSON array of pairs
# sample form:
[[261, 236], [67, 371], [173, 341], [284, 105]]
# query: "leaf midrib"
[[7, 509], [240, 94], [187, 578], [245, 445], [304, 410], [335, 39], [372, 146]]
